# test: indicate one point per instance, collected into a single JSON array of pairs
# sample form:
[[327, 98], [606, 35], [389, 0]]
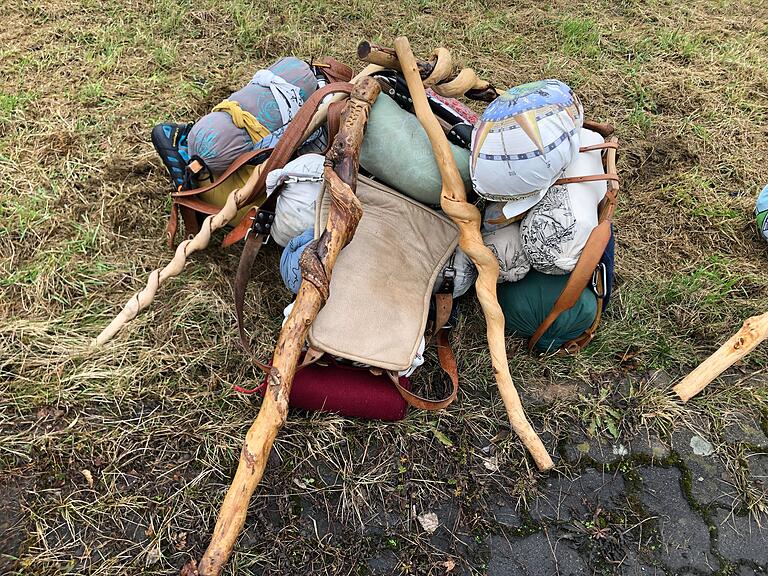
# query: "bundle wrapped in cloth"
[[524, 141], [253, 117], [541, 171]]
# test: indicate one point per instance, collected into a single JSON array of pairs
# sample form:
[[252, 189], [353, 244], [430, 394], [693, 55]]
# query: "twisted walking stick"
[[467, 217], [317, 263]]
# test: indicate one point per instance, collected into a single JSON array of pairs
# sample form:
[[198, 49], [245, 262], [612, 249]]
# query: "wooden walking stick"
[[316, 266], [467, 217], [754, 331]]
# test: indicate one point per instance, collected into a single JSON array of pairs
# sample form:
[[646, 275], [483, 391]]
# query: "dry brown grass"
[[152, 417]]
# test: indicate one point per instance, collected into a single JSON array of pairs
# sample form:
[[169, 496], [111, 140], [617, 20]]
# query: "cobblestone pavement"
[[692, 522], [650, 508]]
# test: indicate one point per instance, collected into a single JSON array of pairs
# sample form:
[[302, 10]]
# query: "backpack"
[[363, 342], [336, 342], [562, 312], [218, 153]]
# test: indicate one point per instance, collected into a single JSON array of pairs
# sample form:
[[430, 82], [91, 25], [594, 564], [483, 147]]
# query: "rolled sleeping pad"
[[527, 303], [217, 141]]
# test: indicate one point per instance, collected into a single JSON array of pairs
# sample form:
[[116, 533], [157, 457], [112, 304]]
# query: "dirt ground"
[[115, 460]]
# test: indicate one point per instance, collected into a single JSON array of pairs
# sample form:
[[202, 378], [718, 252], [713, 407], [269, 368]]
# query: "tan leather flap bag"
[[382, 281]]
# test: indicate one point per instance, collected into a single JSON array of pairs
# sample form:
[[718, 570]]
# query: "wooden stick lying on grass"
[[159, 276], [467, 217], [316, 266], [754, 331]]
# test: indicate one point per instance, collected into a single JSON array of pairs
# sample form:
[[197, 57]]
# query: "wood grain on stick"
[[754, 331], [317, 263], [467, 218]]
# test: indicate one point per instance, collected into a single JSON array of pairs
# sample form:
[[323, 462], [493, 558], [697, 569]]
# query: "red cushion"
[[348, 391]]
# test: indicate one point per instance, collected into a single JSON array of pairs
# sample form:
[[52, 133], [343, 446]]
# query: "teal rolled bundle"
[[527, 302], [397, 152]]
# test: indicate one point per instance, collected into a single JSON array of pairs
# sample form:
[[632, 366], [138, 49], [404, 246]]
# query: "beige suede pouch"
[[382, 280]]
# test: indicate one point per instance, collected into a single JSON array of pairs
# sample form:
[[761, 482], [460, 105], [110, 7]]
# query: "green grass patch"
[[579, 37]]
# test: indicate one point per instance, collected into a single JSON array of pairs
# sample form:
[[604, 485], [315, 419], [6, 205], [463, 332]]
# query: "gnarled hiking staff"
[[316, 266], [467, 218]]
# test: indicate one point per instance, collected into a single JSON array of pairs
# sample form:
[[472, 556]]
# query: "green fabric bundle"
[[396, 150], [527, 302]]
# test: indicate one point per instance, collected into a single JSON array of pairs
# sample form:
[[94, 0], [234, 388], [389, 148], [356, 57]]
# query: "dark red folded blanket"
[[349, 391]]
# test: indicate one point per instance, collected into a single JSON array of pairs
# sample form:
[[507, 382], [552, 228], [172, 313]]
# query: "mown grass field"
[[115, 460]]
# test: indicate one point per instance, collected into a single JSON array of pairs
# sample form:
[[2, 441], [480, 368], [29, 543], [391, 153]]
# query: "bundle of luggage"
[[544, 177]]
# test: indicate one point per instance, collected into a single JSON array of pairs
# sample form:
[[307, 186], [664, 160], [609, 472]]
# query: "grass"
[[115, 460]]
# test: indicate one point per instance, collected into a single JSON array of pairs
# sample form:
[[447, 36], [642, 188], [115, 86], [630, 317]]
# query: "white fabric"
[[521, 183], [418, 360], [555, 231], [287, 95], [465, 277], [507, 246], [301, 180]]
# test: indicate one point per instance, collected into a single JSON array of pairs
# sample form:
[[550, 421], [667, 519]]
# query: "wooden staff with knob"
[[467, 217], [316, 265], [754, 331], [437, 73]]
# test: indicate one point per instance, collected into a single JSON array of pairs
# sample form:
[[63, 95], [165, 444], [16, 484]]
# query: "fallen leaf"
[[491, 463], [449, 565], [88, 476], [429, 522]]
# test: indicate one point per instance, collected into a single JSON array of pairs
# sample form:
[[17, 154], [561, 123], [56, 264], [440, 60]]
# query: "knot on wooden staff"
[[312, 270], [436, 73]]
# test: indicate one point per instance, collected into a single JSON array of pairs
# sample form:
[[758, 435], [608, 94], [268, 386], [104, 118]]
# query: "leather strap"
[[239, 162], [448, 364], [601, 146], [443, 307], [588, 261], [579, 278], [589, 178], [334, 121], [604, 129], [285, 149], [252, 245], [580, 342], [333, 70]]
